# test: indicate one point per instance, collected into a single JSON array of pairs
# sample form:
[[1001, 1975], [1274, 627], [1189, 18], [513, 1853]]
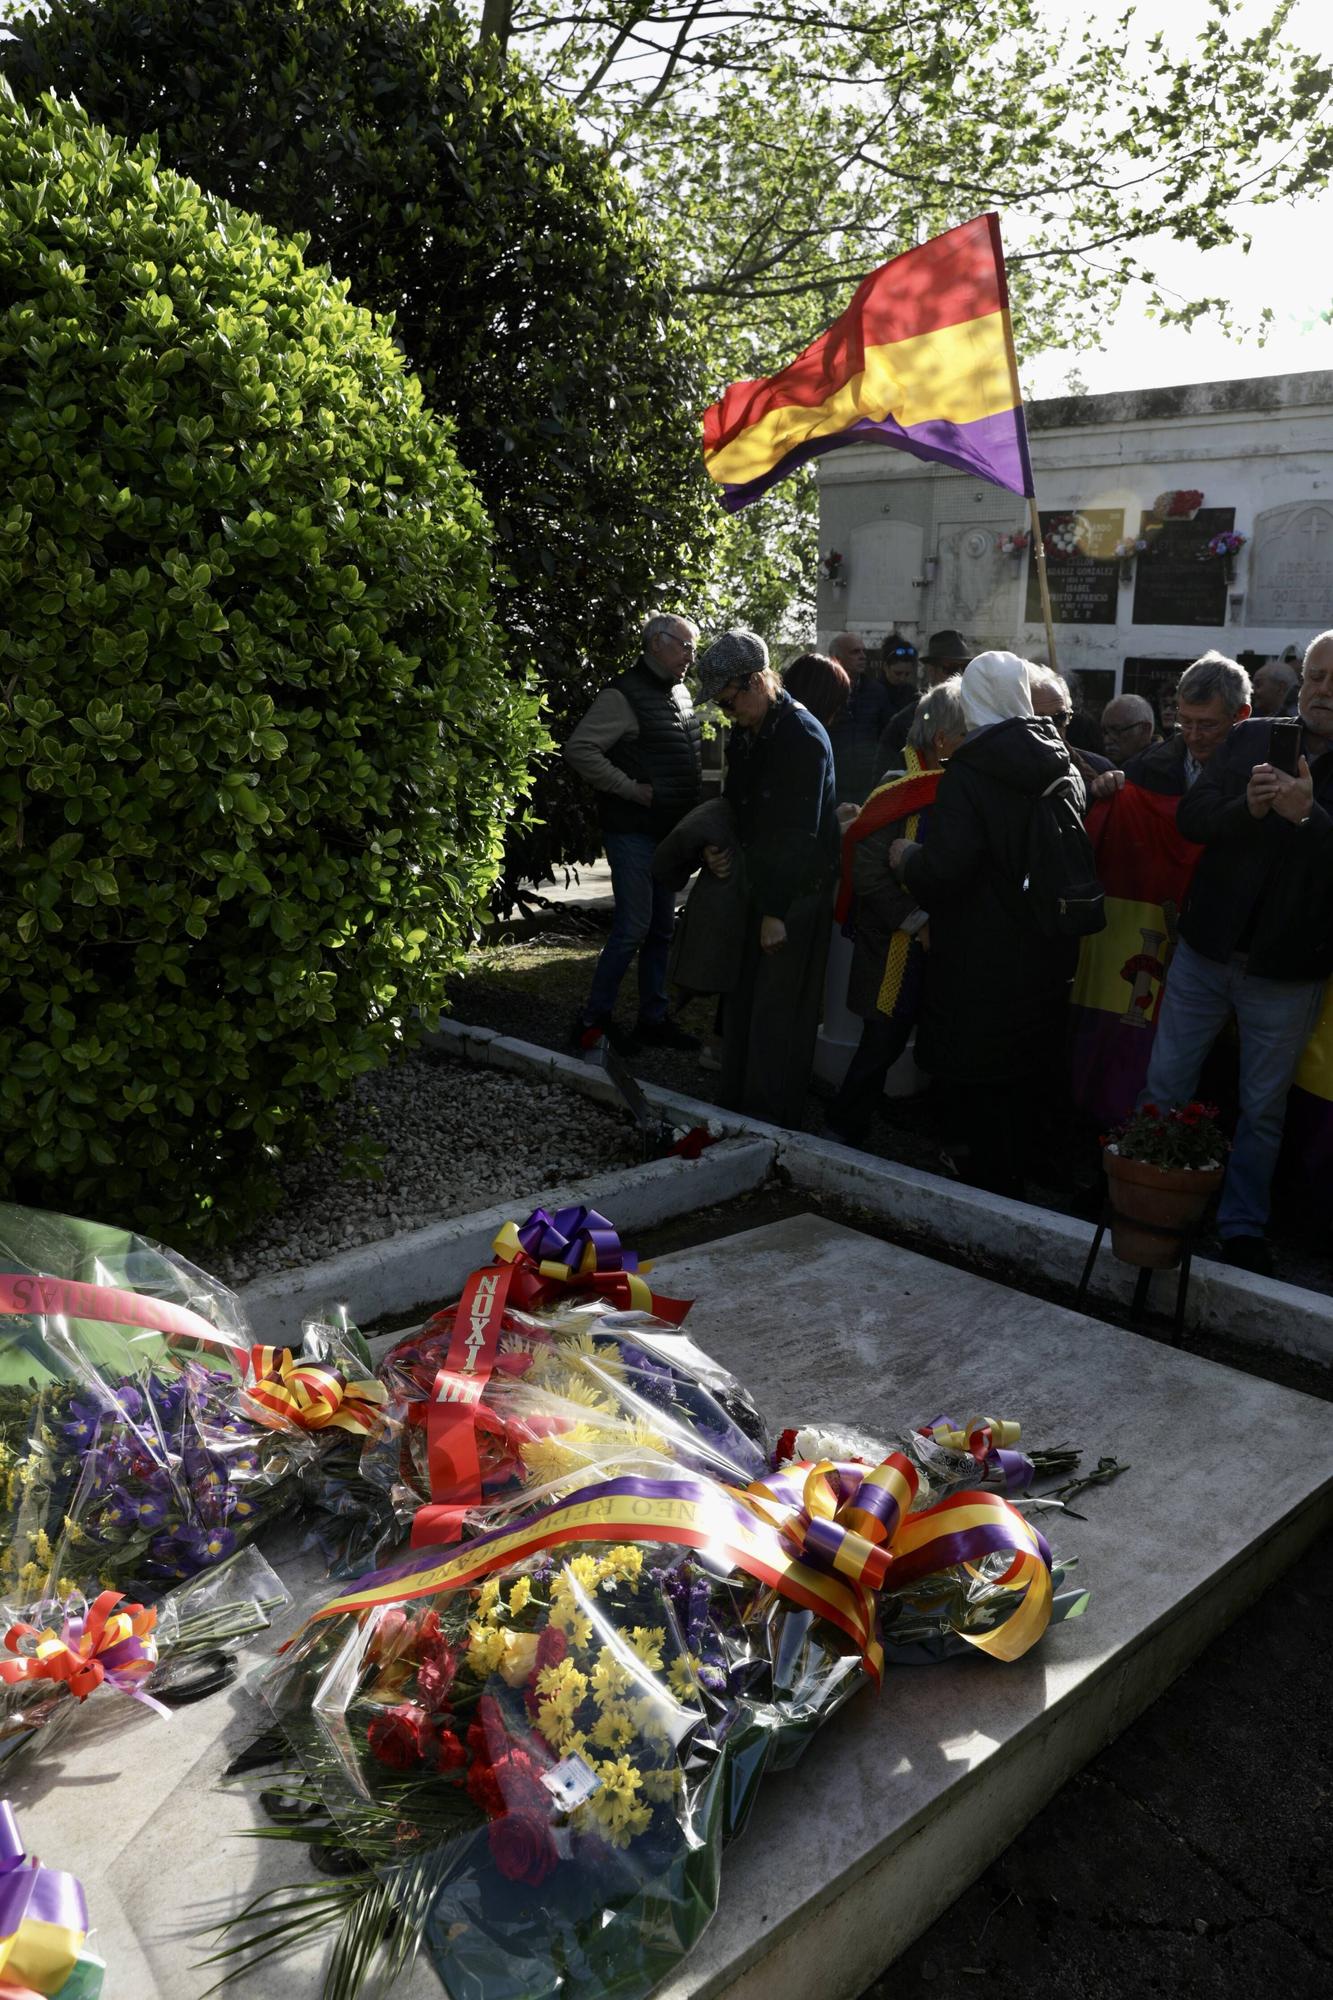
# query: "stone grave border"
[[1259, 1313]]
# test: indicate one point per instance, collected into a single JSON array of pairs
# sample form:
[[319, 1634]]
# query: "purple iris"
[[117, 1515], [81, 1421], [152, 1507], [198, 1547], [129, 1403]]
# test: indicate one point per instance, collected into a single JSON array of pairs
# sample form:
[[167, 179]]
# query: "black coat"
[[780, 787], [1160, 768], [1262, 885], [996, 988]]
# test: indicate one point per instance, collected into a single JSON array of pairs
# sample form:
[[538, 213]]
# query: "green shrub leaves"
[[256, 743]]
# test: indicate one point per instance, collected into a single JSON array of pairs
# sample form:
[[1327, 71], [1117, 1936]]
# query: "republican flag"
[[1145, 865], [922, 359]]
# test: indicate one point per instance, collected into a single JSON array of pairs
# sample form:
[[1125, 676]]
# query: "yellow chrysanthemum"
[[581, 1570], [611, 1678], [485, 1649], [613, 1729], [551, 1458], [647, 1641], [624, 1562], [567, 1618], [683, 1678], [644, 1437], [563, 1684], [660, 1786], [488, 1603], [519, 1595], [650, 1722]]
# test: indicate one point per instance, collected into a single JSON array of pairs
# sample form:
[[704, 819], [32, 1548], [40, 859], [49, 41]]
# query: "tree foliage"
[[525, 287], [256, 742], [786, 147]]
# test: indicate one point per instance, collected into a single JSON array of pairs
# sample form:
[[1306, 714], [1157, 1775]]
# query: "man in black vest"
[[639, 747]]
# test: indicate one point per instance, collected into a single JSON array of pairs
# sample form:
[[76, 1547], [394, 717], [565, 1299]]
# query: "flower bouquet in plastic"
[[552, 1371], [141, 1435], [966, 1603], [538, 1746]]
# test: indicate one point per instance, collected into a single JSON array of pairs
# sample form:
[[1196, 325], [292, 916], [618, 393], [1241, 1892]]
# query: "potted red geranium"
[[1163, 1167]]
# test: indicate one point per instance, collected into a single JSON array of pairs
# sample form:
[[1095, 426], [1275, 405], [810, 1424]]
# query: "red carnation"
[[483, 1788], [551, 1648], [397, 1737], [449, 1752], [522, 1847], [435, 1677]]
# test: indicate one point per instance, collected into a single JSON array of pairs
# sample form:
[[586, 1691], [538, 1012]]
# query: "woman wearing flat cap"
[[780, 789]]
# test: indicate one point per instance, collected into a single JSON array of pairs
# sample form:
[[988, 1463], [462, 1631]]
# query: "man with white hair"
[[1277, 687], [1128, 726], [1211, 698], [1256, 938], [638, 746]]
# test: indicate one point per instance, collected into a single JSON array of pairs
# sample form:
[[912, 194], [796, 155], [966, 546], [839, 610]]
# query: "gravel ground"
[[427, 1138]]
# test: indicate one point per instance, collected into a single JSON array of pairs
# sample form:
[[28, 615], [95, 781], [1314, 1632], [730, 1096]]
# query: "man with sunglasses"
[[638, 746]]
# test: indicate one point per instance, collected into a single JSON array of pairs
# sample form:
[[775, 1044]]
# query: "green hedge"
[[524, 283], [256, 743]]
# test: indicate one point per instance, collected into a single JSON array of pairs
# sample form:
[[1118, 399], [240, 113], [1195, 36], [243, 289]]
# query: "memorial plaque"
[[1175, 582], [1291, 566], [1084, 586]]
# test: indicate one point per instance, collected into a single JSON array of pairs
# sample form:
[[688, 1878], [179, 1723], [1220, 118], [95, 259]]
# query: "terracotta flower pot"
[[1170, 1199]]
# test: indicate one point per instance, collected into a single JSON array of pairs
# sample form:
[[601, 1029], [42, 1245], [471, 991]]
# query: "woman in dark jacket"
[[992, 1019], [780, 789], [888, 952]]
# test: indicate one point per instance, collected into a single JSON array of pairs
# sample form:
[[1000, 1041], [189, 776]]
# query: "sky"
[[1288, 268]]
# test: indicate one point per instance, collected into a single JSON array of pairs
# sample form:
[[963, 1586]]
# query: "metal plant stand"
[[1187, 1235]]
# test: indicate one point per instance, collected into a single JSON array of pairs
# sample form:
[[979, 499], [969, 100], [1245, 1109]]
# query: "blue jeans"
[[644, 915], [1275, 1018]]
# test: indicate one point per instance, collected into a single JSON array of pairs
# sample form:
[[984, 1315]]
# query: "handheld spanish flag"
[[922, 359]]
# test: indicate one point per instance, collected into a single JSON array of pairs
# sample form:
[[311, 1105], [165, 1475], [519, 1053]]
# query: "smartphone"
[[1284, 745]]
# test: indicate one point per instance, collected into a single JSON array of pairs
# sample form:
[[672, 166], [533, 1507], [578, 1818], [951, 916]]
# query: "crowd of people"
[[952, 814]]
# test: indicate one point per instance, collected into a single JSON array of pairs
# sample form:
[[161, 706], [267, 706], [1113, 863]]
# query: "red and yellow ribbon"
[[290, 1394]]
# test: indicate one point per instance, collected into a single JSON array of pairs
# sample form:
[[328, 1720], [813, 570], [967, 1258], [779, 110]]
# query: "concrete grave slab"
[[904, 1800], [905, 1797]]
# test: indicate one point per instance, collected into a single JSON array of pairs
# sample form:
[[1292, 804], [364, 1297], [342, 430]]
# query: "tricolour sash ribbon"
[[43, 1917], [289, 1393], [773, 1535], [110, 1644]]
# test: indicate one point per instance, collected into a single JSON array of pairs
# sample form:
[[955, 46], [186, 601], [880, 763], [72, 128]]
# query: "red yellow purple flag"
[[922, 360]]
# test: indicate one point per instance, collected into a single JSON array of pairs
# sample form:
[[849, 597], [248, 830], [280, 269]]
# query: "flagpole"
[[1039, 557]]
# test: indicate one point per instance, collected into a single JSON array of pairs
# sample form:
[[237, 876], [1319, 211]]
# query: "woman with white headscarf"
[[992, 1016]]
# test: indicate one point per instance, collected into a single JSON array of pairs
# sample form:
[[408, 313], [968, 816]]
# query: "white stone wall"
[[919, 542]]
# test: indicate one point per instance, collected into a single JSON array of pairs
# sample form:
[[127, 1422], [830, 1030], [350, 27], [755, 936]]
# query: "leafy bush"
[[524, 284], [255, 740]]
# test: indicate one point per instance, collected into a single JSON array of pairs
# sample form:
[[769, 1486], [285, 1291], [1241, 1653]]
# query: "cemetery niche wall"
[[1130, 579], [1082, 572]]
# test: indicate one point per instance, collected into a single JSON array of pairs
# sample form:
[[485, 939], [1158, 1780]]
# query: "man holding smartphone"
[[1256, 936]]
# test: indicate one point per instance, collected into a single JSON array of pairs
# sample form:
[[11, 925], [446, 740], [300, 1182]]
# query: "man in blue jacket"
[[1256, 940]]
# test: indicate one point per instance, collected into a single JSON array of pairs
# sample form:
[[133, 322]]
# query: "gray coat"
[[710, 931]]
